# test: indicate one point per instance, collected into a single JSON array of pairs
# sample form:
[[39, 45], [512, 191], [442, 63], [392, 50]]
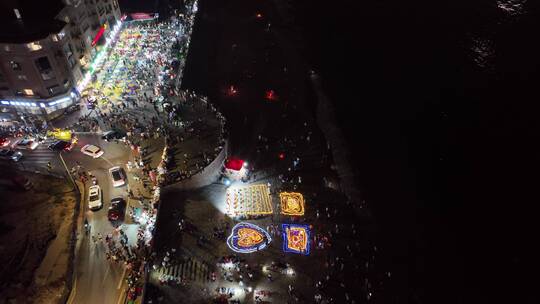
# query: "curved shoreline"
[[326, 121]]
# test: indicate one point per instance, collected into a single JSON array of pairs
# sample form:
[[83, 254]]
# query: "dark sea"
[[439, 102]]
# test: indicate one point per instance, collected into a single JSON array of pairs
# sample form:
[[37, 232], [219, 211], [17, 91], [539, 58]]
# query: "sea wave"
[[483, 52], [512, 7]]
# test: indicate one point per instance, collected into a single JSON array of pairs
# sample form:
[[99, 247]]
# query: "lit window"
[[61, 35], [28, 92], [34, 46], [7, 48], [55, 38], [22, 77]]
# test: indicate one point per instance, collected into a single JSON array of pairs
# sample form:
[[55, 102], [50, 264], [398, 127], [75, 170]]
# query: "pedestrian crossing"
[[39, 157], [192, 270]]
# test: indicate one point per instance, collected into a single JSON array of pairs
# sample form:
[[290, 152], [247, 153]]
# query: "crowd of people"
[[150, 105], [136, 92], [198, 129], [349, 262], [17, 131], [118, 250]]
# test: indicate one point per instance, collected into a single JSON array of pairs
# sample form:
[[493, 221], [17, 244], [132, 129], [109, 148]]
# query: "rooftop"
[[37, 20]]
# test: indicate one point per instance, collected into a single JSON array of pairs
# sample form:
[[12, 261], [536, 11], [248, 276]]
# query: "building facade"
[[41, 66]]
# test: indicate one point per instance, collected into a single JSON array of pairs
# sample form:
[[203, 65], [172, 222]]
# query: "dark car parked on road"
[[112, 134], [117, 209], [60, 145]]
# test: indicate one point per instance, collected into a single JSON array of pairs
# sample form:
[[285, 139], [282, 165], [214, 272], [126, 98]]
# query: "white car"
[[92, 150], [95, 200], [26, 144], [118, 176]]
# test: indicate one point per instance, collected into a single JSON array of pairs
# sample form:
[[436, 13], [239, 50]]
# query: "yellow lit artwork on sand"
[[292, 203], [250, 200]]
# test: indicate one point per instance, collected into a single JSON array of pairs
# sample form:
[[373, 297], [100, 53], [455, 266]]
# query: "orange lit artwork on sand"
[[292, 203], [247, 238], [250, 200], [295, 238]]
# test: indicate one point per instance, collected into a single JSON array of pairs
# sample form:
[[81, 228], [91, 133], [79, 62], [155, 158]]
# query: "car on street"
[[112, 134], [10, 155], [95, 201], [118, 176], [26, 144], [93, 151], [117, 209], [4, 142], [60, 145]]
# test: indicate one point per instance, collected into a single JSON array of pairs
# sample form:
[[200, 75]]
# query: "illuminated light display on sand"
[[247, 238], [292, 203], [296, 238], [250, 200]]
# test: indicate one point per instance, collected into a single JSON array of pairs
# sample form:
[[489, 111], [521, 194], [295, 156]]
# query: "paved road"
[[37, 159], [97, 279]]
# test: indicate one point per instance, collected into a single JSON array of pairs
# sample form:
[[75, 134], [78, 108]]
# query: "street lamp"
[[67, 172]]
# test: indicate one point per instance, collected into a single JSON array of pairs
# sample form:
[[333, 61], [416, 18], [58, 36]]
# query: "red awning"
[[234, 164], [142, 16]]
